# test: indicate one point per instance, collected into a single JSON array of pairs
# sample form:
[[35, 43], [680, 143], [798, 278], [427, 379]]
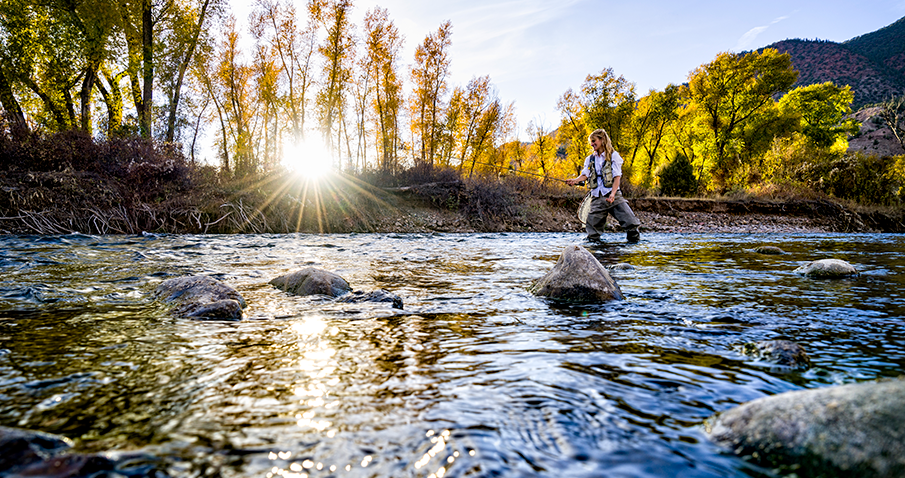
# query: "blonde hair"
[[607, 142]]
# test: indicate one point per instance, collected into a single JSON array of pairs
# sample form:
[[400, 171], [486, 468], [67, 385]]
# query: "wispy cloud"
[[748, 38]]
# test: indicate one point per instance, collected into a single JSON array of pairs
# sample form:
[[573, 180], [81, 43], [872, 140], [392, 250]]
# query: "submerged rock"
[[577, 277], [773, 250], [779, 352], [201, 297], [827, 269], [23, 447], [379, 295], [855, 430], [311, 281], [37, 454], [29, 453], [622, 266]]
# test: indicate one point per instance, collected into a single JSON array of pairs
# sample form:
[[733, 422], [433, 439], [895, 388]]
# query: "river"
[[475, 377]]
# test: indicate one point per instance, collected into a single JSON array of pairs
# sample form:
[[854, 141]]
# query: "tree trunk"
[[13, 110], [147, 43], [190, 51]]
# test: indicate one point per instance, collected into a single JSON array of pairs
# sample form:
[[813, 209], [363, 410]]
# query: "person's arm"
[[577, 180], [612, 195]]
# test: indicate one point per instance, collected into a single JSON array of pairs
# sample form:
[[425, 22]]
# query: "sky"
[[535, 50]]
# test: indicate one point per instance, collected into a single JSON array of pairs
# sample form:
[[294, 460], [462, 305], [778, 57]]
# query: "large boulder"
[[577, 277], [848, 430], [827, 269], [311, 281], [201, 297], [779, 352]]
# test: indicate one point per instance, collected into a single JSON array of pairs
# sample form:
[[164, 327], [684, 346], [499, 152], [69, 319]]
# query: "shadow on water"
[[475, 377]]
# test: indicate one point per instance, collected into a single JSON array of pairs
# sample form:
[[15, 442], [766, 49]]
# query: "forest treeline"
[[174, 70]]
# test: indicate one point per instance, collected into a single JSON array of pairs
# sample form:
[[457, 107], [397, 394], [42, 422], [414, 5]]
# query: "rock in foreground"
[[827, 269], [577, 277], [855, 430], [201, 297], [28, 453], [311, 281]]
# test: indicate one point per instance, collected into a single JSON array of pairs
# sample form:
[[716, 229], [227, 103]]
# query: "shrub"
[[677, 178], [868, 180]]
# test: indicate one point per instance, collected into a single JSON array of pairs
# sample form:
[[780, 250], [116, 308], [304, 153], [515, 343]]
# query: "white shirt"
[[599, 159]]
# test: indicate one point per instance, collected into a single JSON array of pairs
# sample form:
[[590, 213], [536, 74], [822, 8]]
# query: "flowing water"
[[476, 377]]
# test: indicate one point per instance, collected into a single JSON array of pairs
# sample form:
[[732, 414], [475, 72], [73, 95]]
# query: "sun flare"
[[309, 158]]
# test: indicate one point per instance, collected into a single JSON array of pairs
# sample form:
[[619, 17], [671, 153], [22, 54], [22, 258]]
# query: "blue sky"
[[534, 50]]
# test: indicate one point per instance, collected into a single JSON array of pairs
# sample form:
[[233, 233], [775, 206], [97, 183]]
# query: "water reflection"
[[475, 377]]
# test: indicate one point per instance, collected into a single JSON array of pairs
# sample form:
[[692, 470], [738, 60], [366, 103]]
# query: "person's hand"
[[571, 181], [610, 198]]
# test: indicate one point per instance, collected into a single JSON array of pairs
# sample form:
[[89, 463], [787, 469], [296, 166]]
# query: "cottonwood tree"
[[191, 21], [608, 102], [336, 51], [383, 43], [648, 129], [52, 50], [573, 130], [429, 76], [543, 146], [604, 101], [820, 111], [227, 78], [276, 23], [733, 92]]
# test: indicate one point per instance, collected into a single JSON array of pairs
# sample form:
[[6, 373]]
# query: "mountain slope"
[[885, 46], [873, 64], [822, 61]]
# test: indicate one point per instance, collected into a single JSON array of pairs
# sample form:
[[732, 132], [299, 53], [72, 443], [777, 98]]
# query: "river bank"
[[669, 215], [79, 202]]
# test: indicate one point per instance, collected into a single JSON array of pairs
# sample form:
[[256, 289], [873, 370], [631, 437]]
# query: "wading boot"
[[632, 236]]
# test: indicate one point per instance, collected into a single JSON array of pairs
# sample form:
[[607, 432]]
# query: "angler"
[[603, 170]]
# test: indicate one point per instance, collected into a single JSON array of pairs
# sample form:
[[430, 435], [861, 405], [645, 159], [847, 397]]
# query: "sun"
[[309, 158]]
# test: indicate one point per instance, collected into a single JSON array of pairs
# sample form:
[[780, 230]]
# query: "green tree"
[[608, 102], [573, 130], [732, 92], [821, 110], [677, 177], [648, 129]]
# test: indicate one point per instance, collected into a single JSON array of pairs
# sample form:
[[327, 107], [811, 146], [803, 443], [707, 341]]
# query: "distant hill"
[[873, 64]]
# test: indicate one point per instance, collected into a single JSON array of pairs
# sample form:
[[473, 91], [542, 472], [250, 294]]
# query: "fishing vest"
[[607, 173]]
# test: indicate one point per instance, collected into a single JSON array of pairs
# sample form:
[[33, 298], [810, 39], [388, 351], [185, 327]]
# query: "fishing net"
[[584, 209]]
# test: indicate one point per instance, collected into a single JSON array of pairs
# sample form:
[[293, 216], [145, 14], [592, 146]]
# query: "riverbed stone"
[[770, 250], [577, 277], [201, 297], [312, 281], [827, 269], [779, 352], [379, 296], [847, 430], [621, 266], [31, 453]]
